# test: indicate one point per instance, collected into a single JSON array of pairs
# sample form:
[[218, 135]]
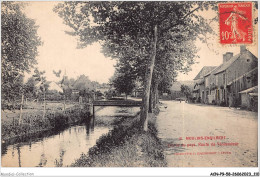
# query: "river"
[[62, 148]]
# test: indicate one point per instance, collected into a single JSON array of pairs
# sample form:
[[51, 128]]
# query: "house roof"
[[229, 83], [253, 94], [38, 84], [212, 71], [225, 65], [205, 70], [250, 90], [55, 86]]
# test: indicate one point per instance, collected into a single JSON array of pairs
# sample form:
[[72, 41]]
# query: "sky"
[[59, 49], [59, 52]]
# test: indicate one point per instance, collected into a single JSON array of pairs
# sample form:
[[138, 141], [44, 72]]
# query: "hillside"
[[176, 86]]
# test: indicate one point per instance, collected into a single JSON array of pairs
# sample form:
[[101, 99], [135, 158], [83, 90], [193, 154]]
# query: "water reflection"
[[89, 125], [59, 149], [19, 155]]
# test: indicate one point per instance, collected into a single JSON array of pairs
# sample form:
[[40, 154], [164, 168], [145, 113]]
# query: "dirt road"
[[189, 132]]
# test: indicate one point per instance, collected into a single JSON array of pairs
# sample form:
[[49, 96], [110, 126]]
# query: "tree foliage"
[[123, 83], [186, 90], [156, 39], [41, 79], [57, 73], [84, 83], [30, 88], [125, 30], [20, 42]]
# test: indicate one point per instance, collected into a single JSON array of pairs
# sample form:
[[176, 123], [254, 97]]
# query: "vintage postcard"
[[129, 84]]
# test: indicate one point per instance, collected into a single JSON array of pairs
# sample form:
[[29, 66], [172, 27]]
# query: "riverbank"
[[62, 148], [126, 146], [33, 123]]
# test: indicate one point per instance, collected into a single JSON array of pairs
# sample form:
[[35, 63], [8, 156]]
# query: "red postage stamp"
[[235, 23]]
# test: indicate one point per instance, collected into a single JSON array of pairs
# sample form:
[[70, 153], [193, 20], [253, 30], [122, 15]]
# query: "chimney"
[[224, 58], [227, 56], [242, 49]]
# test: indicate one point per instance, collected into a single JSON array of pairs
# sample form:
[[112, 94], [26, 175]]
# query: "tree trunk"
[[147, 86], [155, 95], [151, 101], [21, 110], [64, 103], [44, 104]]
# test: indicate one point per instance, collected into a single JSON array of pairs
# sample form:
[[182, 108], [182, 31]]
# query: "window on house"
[[224, 79]]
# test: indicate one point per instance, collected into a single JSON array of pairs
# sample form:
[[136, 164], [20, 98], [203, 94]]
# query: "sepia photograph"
[[129, 84]]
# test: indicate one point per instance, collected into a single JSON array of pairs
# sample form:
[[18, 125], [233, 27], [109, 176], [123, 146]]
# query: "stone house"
[[249, 98], [231, 83], [210, 87], [199, 91], [235, 74]]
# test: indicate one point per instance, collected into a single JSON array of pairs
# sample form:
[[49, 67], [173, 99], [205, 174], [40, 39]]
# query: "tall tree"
[[19, 44], [186, 91], [123, 83], [39, 76], [120, 26], [64, 82], [30, 88], [85, 86]]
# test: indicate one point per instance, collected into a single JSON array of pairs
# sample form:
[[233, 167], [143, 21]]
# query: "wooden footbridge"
[[121, 103], [127, 103]]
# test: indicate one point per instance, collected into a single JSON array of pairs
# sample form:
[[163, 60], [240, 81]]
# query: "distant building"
[[199, 90], [137, 92], [237, 73], [210, 86], [103, 89], [228, 83], [53, 86], [75, 91], [75, 95]]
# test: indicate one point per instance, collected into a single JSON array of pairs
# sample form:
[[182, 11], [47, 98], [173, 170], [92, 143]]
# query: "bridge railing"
[[117, 103]]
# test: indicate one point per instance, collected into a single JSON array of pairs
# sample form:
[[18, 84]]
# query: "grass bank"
[[126, 146], [33, 123]]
